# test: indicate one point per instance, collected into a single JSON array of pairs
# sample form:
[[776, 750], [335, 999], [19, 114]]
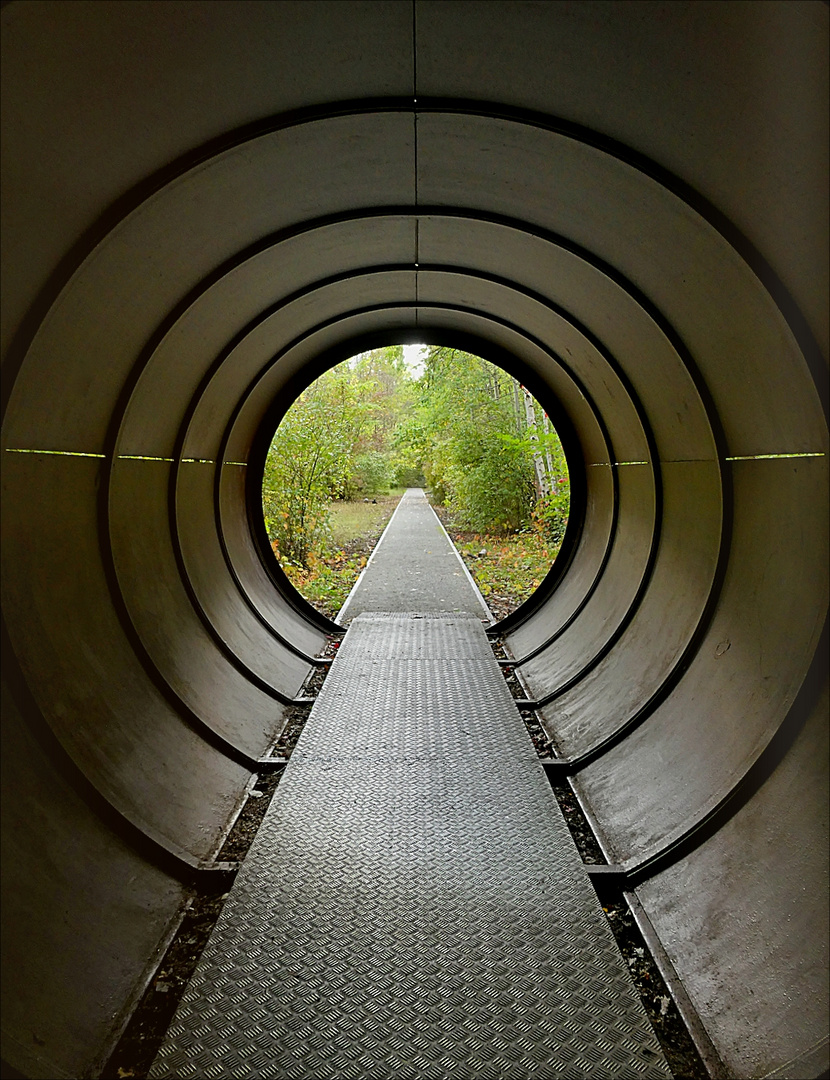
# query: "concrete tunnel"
[[206, 204]]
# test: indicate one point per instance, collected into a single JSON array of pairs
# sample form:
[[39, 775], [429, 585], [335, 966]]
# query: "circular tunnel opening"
[[342, 452]]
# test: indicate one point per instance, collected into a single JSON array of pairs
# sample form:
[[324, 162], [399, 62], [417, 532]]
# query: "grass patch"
[[356, 528], [507, 569], [351, 521]]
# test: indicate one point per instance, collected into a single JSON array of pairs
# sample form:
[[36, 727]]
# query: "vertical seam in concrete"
[[415, 145]]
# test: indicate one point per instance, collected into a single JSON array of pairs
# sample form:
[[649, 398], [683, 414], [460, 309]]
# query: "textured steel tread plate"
[[407, 912], [412, 635], [416, 707]]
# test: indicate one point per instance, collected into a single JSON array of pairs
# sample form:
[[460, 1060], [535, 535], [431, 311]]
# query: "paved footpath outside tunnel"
[[415, 567], [413, 905]]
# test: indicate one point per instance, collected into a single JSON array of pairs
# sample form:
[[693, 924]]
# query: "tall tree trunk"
[[538, 462], [547, 427], [517, 408]]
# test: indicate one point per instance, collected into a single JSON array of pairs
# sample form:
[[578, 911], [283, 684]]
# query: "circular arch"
[[576, 259], [468, 342], [504, 289]]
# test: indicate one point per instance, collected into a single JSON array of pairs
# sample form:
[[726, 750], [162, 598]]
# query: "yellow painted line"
[[121, 457], [142, 457], [55, 453], [768, 457]]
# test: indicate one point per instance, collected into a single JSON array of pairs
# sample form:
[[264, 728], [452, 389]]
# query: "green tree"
[[333, 442], [466, 429], [309, 461], [385, 381]]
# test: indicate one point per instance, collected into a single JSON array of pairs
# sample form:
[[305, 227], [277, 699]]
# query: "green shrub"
[[551, 513], [409, 476], [371, 473]]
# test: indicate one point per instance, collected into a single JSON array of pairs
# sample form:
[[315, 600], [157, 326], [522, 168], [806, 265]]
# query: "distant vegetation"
[[337, 441], [461, 427], [486, 448]]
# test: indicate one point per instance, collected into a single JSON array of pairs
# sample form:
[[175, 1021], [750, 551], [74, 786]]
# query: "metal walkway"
[[413, 905]]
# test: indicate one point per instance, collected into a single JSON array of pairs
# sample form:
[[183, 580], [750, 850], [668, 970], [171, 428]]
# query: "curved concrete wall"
[[625, 203]]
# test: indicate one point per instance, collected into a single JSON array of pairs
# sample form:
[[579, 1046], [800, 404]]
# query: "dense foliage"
[[484, 446], [332, 443], [462, 427]]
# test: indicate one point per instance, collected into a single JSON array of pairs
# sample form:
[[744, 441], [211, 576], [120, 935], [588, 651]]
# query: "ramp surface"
[[413, 905]]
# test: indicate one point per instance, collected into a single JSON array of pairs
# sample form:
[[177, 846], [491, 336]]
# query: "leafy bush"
[[551, 513], [465, 431], [371, 473], [494, 493]]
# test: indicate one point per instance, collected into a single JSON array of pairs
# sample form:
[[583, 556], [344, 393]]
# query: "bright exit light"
[[413, 357]]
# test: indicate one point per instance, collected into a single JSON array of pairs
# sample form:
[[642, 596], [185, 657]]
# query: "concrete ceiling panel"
[[584, 572], [85, 967], [137, 86], [85, 674], [729, 97], [221, 313], [616, 592], [769, 849], [748, 667], [587, 300], [671, 255], [231, 612], [393, 299], [218, 684], [538, 322], [178, 255], [636, 669], [87, 347]]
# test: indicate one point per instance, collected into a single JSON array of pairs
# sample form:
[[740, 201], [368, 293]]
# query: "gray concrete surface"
[[414, 567]]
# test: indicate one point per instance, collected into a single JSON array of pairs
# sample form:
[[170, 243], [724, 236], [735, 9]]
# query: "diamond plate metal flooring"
[[413, 905]]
